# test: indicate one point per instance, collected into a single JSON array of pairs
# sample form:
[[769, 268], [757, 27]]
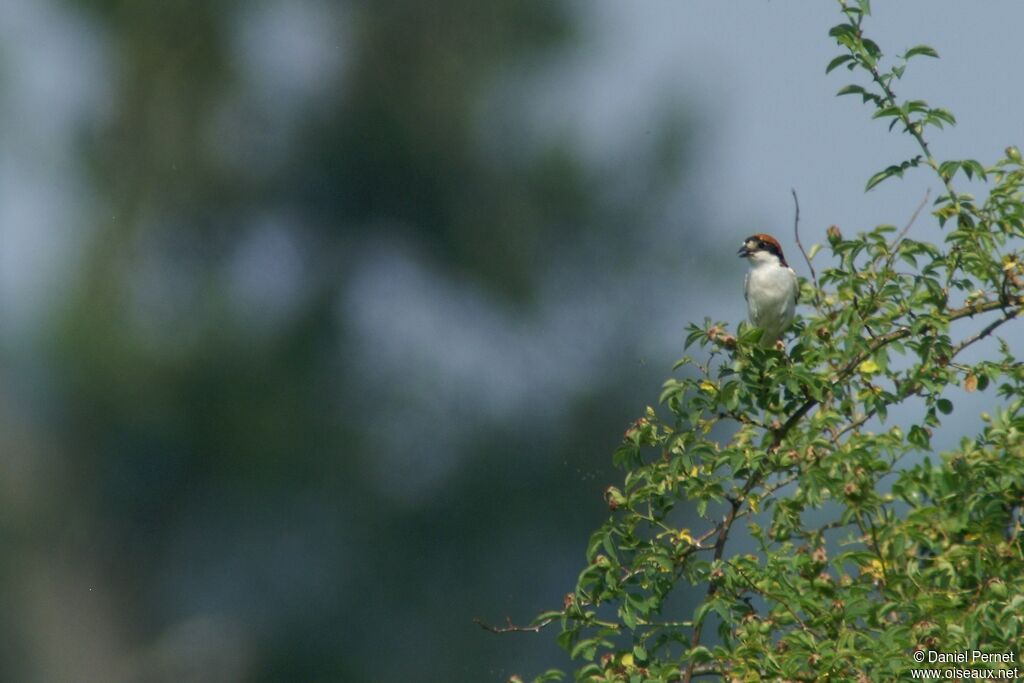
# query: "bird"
[[770, 287]]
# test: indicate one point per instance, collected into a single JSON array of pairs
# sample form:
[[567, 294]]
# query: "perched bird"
[[770, 287]]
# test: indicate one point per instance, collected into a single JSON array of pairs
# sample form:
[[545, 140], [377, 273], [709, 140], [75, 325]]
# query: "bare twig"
[[509, 627], [799, 244], [913, 217]]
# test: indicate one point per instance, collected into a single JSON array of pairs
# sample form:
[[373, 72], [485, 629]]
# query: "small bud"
[[1013, 153], [834, 235], [820, 555], [568, 601], [850, 489], [614, 498], [823, 334]]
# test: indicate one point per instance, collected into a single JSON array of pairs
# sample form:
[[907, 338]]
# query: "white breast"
[[770, 290]]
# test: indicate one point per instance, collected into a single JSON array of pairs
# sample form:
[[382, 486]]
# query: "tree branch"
[[912, 127], [896, 335], [734, 513]]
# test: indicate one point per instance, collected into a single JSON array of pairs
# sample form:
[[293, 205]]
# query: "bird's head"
[[762, 248]]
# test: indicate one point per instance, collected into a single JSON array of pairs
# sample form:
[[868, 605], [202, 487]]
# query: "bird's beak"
[[743, 252]]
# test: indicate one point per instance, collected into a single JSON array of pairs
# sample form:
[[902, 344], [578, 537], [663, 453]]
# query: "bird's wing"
[[796, 287]]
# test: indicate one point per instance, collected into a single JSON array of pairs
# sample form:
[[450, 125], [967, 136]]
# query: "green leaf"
[[871, 47], [947, 169], [700, 654], [850, 90], [887, 111], [627, 616], [943, 115], [919, 437], [842, 30], [945, 406], [925, 50], [837, 62], [973, 168], [587, 649], [878, 177]]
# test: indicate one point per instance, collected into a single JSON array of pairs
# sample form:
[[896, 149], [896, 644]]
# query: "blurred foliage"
[[870, 562], [216, 491]]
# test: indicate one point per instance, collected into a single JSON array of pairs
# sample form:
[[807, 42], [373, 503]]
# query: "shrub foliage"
[[864, 553]]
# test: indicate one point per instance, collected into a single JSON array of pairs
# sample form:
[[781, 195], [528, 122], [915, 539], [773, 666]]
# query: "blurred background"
[[320, 320]]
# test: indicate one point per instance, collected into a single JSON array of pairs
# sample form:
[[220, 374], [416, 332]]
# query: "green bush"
[[867, 553]]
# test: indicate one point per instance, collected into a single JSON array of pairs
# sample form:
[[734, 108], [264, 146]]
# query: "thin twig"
[[509, 627], [799, 244], [913, 217], [906, 228], [986, 331], [770, 595]]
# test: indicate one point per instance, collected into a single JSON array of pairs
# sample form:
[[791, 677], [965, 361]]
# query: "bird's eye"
[[762, 244]]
